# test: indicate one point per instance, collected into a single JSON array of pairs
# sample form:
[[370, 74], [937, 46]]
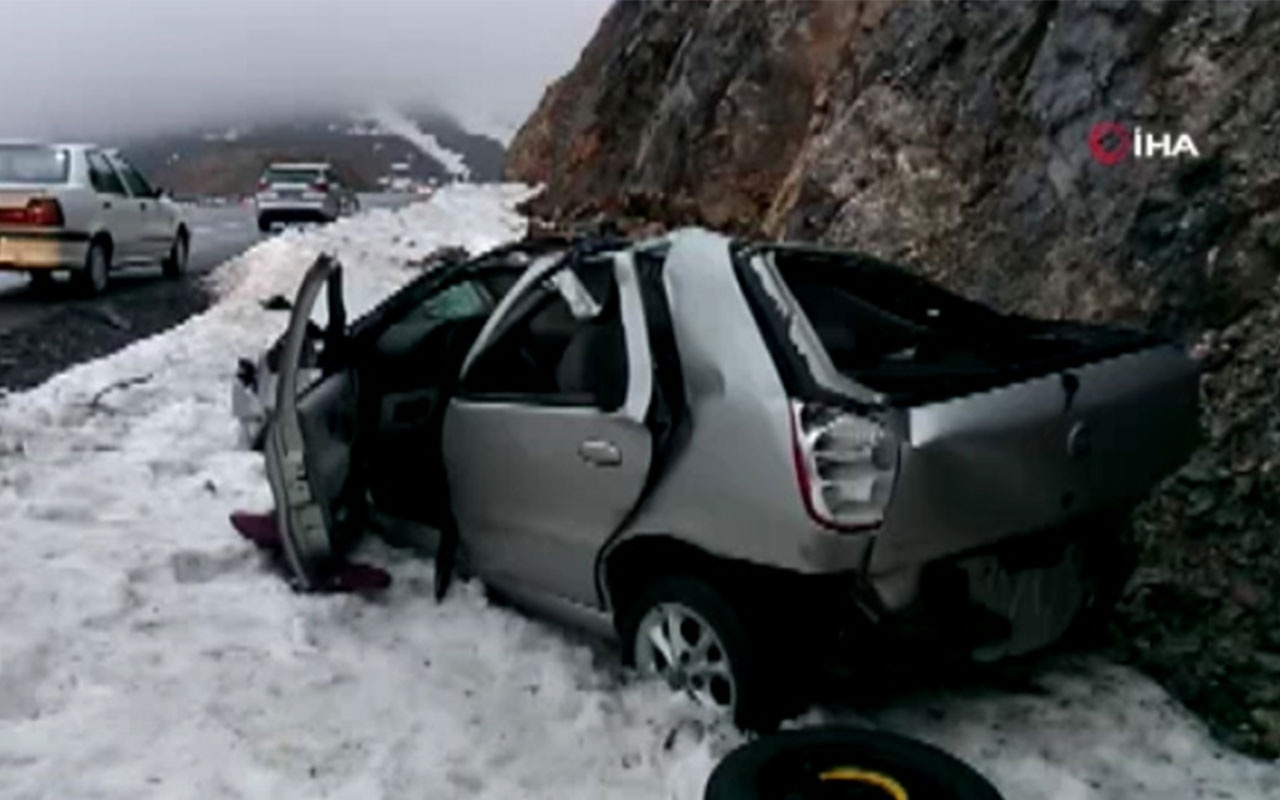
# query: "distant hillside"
[[229, 162], [485, 156]]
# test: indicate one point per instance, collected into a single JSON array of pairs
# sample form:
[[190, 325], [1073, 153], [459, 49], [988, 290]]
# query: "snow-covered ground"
[[147, 652]]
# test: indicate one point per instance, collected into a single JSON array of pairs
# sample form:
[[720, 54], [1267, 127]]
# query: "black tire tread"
[[926, 772], [170, 265]]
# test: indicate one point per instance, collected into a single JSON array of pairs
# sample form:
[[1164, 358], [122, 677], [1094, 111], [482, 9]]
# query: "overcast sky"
[[97, 68]]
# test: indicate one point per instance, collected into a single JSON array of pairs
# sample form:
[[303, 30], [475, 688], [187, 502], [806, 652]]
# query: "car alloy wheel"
[[677, 643]]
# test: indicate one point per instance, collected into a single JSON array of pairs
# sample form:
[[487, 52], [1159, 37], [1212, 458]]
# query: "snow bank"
[[146, 652]]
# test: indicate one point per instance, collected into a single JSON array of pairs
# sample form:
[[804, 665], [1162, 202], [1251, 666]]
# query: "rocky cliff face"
[[955, 138]]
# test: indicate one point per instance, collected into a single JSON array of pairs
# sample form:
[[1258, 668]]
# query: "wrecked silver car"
[[740, 459]]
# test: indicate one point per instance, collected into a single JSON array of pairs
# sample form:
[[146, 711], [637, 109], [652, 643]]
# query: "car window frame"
[[272, 175], [533, 300], [105, 158], [403, 303], [123, 169]]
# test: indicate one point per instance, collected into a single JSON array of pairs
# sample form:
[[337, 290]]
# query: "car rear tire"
[[93, 279], [264, 225], [687, 632], [175, 264], [844, 762]]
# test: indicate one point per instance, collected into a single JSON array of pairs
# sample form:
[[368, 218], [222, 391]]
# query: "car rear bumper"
[[294, 210], [1006, 600], [43, 251]]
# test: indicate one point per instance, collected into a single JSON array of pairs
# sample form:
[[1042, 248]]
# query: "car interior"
[[913, 340], [556, 354], [373, 425]]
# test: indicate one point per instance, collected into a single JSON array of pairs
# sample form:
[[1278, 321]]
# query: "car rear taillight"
[[320, 186], [44, 212], [262, 185], [845, 466]]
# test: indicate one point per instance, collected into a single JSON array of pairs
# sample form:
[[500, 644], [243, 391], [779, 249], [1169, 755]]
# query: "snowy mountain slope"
[[396, 123], [146, 652]]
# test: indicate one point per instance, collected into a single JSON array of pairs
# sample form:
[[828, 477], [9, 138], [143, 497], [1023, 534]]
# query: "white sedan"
[[83, 209]]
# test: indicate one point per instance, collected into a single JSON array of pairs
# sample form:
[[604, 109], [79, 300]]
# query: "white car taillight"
[[845, 465], [43, 212]]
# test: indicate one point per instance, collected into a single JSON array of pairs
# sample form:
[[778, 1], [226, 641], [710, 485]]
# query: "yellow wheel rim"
[[877, 779]]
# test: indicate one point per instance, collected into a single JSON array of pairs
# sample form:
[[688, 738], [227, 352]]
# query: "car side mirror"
[[160, 192]]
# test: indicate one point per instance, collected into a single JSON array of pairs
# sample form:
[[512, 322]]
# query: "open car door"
[[308, 442]]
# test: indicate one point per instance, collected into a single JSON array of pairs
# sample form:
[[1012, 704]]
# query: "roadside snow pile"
[[146, 652]]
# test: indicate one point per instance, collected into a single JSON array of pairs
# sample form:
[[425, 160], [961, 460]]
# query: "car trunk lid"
[[1037, 454], [1004, 425]]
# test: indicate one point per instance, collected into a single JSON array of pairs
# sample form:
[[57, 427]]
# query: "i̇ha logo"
[[1112, 142]]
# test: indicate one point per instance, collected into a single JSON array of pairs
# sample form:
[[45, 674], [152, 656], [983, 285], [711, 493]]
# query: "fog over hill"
[[227, 159]]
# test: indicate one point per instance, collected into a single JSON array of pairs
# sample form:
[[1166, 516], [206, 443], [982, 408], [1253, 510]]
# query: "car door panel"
[[537, 488], [152, 230], [114, 207], [308, 442], [532, 502]]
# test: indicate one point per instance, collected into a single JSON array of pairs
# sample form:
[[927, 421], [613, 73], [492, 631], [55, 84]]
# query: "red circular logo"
[[1121, 142]]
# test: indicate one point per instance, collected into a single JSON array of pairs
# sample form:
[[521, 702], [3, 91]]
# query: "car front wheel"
[[686, 632], [175, 264]]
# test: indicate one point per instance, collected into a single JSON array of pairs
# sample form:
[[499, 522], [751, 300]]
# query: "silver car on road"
[[302, 192], [83, 209], [745, 461]]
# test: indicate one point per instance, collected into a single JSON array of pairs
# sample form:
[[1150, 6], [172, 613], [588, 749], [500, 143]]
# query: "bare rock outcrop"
[[955, 138]]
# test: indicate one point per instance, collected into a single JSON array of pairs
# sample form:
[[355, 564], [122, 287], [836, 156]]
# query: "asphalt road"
[[218, 233], [43, 333]]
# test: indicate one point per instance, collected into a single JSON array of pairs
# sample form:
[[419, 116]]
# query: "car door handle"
[[144, 206], [106, 204], [600, 453]]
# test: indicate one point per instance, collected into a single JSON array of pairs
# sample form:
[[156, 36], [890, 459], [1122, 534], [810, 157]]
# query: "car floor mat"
[[340, 577]]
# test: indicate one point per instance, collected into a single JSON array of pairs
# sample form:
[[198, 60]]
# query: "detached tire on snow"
[[822, 763]]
